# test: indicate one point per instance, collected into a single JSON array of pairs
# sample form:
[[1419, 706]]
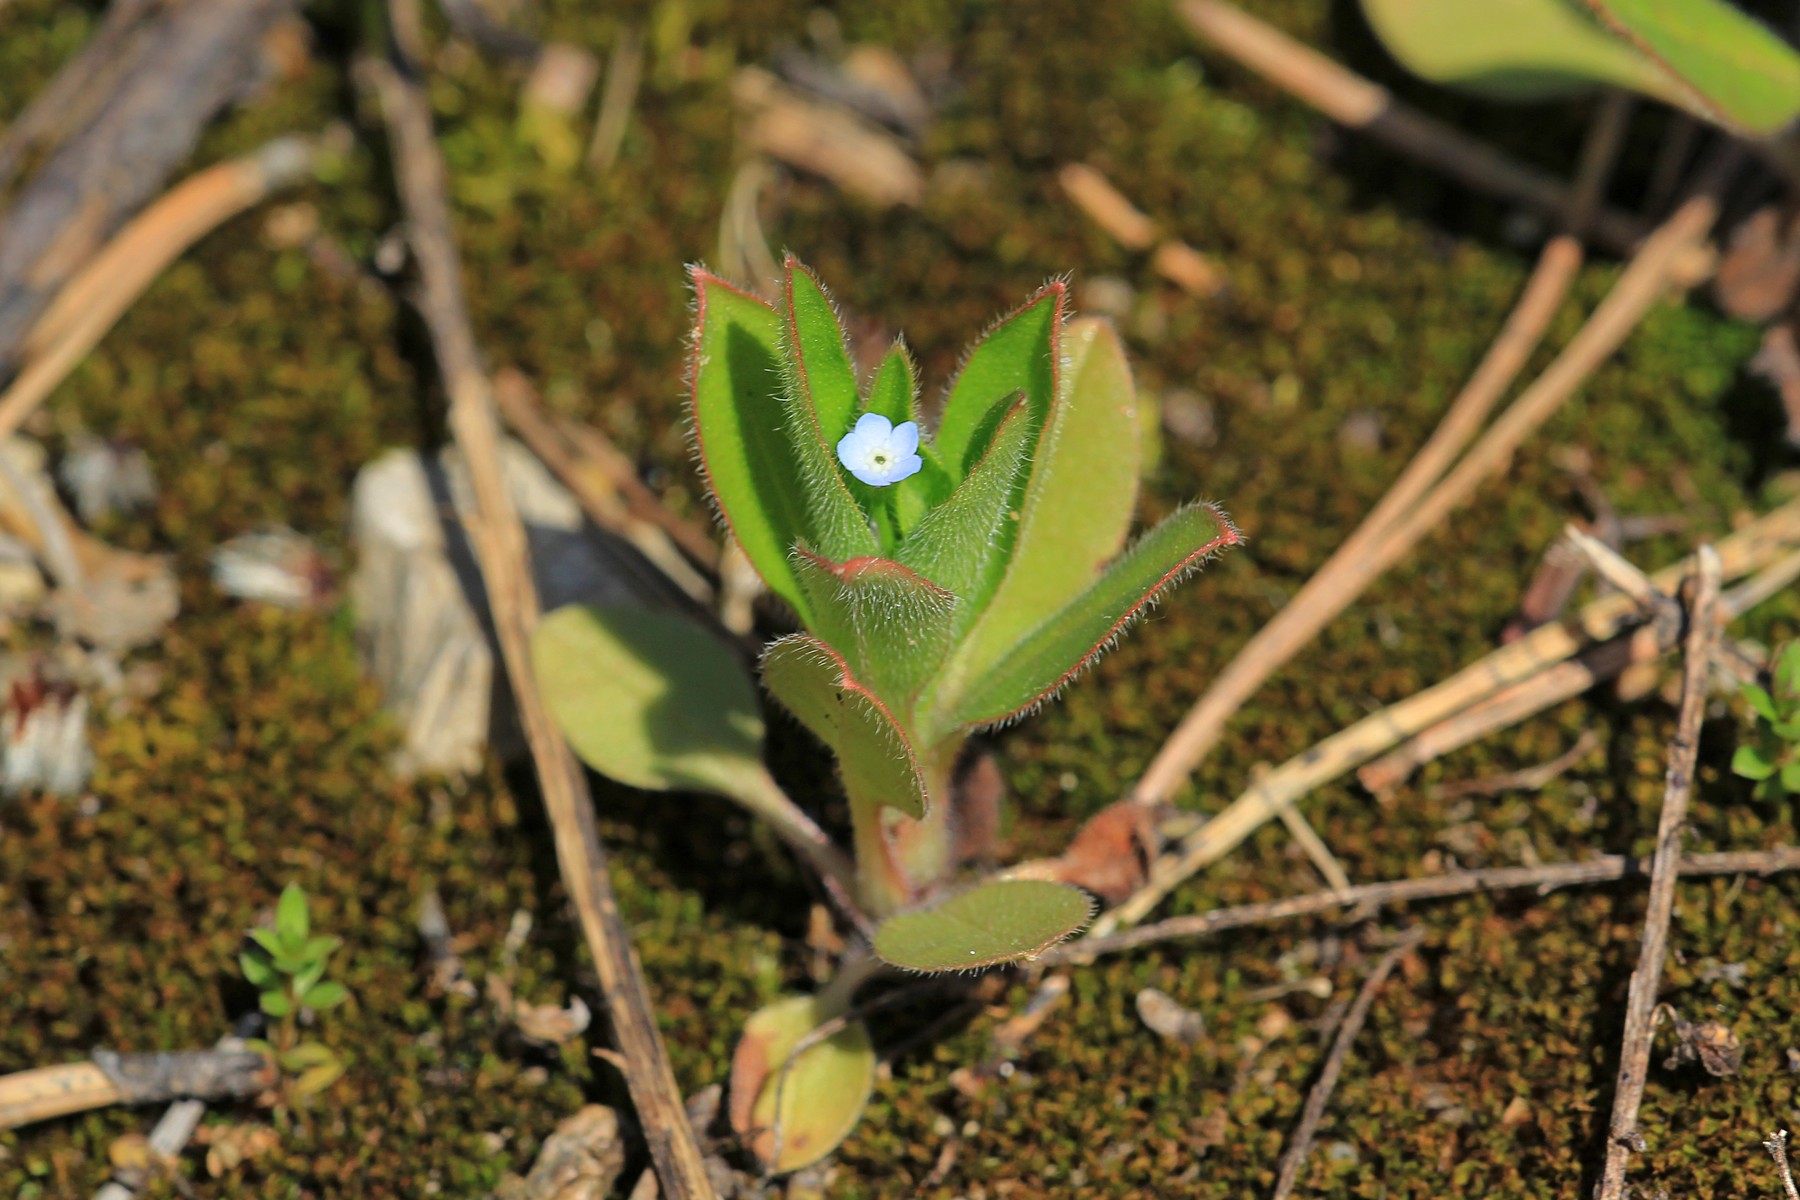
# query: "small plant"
[[286, 964], [945, 583], [1773, 759]]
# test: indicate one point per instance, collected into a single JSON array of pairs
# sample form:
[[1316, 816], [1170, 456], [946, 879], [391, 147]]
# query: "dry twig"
[[1607, 869], [1314, 1112], [1540, 650], [92, 301], [624, 72], [1634, 1061], [1776, 1145], [1375, 544], [47, 1092], [499, 542]]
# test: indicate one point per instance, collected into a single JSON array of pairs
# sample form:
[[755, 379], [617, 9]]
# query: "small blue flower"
[[879, 452]]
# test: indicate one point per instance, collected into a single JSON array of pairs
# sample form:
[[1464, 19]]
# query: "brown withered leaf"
[[230, 1146], [975, 800], [1761, 268], [1712, 1044], [1778, 362], [1111, 854]]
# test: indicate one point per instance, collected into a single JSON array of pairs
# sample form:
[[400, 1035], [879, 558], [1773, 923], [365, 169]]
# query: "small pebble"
[[1168, 1019]]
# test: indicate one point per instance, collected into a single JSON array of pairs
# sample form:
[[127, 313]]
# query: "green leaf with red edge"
[[876, 759], [1000, 921], [821, 397], [819, 360], [823, 1094], [1057, 650], [1018, 355], [955, 546], [740, 429], [890, 624], [1077, 502]]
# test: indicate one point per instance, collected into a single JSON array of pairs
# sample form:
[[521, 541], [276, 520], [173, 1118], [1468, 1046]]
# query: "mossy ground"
[[1358, 283]]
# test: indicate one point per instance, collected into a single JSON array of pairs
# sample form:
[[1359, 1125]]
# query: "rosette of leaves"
[[1773, 758], [933, 603], [958, 598], [1702, 55]]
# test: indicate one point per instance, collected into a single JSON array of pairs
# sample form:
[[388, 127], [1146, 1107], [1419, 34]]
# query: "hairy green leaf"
[[822, 1092], [956, 546], [890, 623], [1078, 500], [1053, 653], [1732, 69], [739, 429], [875, 758], [821, 397], [1018, 355], [649, 699], [996, 922]]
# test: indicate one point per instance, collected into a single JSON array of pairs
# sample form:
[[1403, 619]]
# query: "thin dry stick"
[[592, 488], [1776, 1145], [1564, 681], [1549, 877], [1314, 1112], [499, 542], [1323, 860], [1341, 580], [1351, 100], [1634, 1061], [95, 299], [624, 71], [1529, 779], [1747, 549]]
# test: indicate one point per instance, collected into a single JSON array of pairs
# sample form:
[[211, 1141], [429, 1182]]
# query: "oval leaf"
[[1733, 70], [1018, 355], [823, 1094], [1511, 49], [648, 699], [997, 922]]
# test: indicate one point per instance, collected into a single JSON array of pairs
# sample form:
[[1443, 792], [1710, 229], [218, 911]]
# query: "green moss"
[[258, 385]]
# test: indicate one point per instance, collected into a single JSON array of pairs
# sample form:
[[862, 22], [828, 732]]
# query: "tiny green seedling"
[[286, 964], [1773, 759], [946, 580]]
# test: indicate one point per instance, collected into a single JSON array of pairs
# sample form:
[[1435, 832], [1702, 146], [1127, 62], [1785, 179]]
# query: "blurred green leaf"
[[823, 1094], [1735, 70], [995, 922], [1787, 670], [1751, 763], [1511, 49], [307, 1054], [649, 699], [1761, 703], [257, 970], [275, 1003], [314, 1080], [292, 922], [1053, 653], [322, 996], [738, 414], [876, 761]]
